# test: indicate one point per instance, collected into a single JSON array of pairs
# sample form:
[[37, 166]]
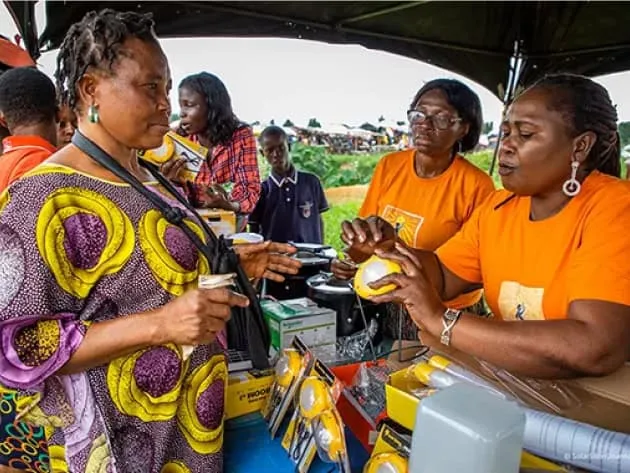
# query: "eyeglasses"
[[441, 122]]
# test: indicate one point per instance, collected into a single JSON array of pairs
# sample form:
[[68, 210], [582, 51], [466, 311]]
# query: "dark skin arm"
[[594, 339], [192, 319]]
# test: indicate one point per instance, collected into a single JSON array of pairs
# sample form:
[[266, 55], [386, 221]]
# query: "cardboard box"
[[247, 392], [222, 222], [316, 326]]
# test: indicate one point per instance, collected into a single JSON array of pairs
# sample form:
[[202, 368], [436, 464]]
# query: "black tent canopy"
[[479, 40]]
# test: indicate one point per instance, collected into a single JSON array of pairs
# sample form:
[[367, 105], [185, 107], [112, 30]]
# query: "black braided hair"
[[96, 42], [222, 122], [462, 99], [587, 106]]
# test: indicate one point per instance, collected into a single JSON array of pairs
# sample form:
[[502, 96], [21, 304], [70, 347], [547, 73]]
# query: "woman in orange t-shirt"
[[550, 250], [429, 191]]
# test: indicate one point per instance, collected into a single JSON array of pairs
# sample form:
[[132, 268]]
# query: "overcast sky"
[[297, 79]]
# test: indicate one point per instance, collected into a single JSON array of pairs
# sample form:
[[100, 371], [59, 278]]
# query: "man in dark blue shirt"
[[291, 202]]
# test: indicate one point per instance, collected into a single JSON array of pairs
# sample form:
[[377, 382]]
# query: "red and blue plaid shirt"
[[235, 162]]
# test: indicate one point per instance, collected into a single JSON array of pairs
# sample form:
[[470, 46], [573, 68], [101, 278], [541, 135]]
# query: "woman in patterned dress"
[[98, 291]]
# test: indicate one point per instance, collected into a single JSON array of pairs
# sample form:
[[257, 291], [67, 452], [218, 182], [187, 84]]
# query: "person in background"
[[429, 191], [291, 202], [28, 108], [206, 117], [66, 126], [11, 55], [550, 249]]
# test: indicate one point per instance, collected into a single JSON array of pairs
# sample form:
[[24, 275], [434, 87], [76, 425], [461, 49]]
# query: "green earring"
[[93, 114]]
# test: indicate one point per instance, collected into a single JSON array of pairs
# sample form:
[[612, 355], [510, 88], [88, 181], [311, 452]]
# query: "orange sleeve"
[[370, 203], [26, 164], [599, 269], [460, 254]]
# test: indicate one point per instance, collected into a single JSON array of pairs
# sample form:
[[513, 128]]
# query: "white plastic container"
[[465, 428]]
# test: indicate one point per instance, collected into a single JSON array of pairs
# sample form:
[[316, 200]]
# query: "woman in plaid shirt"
[[207, 118]]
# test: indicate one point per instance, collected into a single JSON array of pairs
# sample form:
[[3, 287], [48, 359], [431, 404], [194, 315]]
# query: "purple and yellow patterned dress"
[[75, 250]]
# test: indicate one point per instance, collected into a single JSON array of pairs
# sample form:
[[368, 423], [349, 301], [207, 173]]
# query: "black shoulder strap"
[[250, 329], [168, 185], [173, 215]]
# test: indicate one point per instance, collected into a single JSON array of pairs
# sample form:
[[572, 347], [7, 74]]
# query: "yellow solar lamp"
[[329, 437], [315, 397], [371, 270], [163, 153], [387, 463], [286, 371], [288, 367]]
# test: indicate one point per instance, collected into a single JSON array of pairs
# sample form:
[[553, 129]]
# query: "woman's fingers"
[[225, 296], [358, 228], [375, 227], [396, 279], [273, 276], [247, 250], [282, 264], [178, 166], [395, 295], [284, 248], [406, 251], [218, 311], [408, 267]]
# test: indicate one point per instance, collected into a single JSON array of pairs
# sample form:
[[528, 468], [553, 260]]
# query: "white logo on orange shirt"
[[408, 223], [518, 302]]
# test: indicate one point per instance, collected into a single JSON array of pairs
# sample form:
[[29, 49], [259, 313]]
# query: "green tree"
[[174, 117], [288, 123], [487, 128], [313, 123], [624, 133]]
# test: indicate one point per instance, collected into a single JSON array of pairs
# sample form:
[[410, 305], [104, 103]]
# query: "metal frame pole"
[[514, 74]]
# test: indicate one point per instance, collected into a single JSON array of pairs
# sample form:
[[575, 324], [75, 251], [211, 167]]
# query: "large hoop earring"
[[572, 186], [93, 114]]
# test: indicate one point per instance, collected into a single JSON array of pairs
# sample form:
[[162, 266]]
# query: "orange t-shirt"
[[428, 211], [20, 155], [533, 270]]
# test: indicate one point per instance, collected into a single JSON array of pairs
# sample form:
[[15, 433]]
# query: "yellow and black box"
[[247, 392]]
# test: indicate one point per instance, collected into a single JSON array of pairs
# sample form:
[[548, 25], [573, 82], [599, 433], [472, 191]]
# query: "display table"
[[248, 448]]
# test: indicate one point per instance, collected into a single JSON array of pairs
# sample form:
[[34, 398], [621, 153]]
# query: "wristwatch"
[[449, 319]]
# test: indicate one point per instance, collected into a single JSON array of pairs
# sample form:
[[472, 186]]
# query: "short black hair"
[[462, 99], [587, 106], [27, 96], [96, 42], [222, 122], [275, 131]]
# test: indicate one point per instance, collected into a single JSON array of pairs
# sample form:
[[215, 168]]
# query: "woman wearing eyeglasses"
[[427, 192]]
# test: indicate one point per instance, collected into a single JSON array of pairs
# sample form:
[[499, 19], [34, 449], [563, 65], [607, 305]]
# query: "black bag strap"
[[168, 185], [252, 330], [173, 215]]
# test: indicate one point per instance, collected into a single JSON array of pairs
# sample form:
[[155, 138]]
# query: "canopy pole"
[[514, 75]]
